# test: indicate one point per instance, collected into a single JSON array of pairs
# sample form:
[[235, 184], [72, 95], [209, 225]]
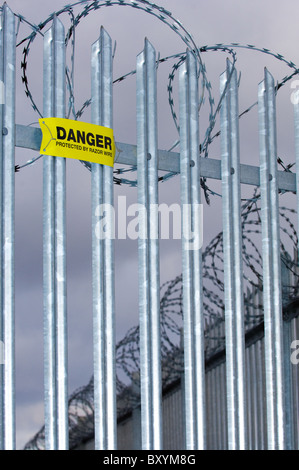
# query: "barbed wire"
[[81, 411], [127, 350], [176, 26]]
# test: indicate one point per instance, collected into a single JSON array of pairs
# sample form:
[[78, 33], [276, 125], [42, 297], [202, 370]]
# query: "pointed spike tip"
[[148, 45], [229, 63], [269, 76], [105, 35], [6, 7], [57, 22]]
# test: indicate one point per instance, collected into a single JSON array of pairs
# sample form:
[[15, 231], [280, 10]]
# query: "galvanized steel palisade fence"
[[216, 408], [149, 160]]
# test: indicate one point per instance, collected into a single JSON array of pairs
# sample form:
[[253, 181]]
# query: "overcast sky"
[[268, 23]]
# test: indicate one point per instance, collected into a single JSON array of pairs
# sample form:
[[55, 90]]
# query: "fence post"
[[148, 250], [7, 201], [103, 255], [272, 295], [54, 251], [232, 253], [192, 257], [295, 323]]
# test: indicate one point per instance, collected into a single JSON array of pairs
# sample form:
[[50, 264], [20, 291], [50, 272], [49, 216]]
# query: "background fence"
[[222, 404], [216, 392], [129, 417]]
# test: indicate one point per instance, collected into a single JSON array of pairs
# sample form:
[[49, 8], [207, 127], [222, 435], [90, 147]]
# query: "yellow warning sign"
[[75, 139]]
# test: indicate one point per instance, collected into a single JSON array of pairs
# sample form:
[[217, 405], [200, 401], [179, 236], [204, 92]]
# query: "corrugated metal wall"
[[216, 407]]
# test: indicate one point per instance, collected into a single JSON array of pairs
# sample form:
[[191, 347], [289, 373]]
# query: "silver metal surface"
[[126, 154], [191, 257], [2, 416], [233, 269], [103, 256], [7, 200], [272, 295], [148, 250], [54, 251]]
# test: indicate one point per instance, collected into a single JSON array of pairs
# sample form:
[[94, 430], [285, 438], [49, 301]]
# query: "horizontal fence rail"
[[242, 395], [27, 137]]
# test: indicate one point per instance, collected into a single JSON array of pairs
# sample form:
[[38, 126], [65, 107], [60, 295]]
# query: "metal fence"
[[129, 418], [256, 403], [149, 160], [216, 396]]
